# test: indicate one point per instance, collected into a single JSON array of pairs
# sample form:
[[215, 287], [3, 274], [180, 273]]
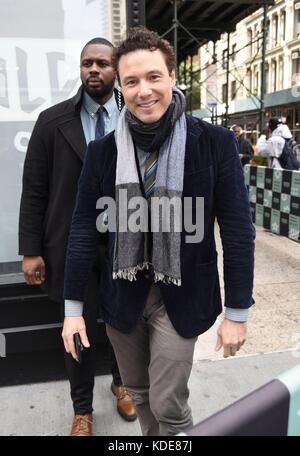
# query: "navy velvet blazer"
[[212, 170]]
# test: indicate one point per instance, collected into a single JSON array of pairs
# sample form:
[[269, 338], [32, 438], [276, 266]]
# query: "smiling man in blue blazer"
[[159, 289]]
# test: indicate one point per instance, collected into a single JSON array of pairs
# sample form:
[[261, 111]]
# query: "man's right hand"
[[73, 325], [33, 268]]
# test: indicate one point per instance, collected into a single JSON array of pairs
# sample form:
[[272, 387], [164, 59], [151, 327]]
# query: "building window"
[[224, 93], [249, 33], [274, 75], [280, 82], [275, 30], [249, 81], [255, 37], [295, 67], [283, 25], [268, 34], [297, 23], [233, 90], [233, 52], [224, 59], [256, 81], [266, 77]]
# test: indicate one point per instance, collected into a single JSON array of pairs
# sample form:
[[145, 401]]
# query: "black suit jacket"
[[245, 148], [52, 167], [212, 170]]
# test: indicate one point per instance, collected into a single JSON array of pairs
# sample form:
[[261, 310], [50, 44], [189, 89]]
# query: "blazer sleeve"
[[236, 227], [83, 237], [35, 194]]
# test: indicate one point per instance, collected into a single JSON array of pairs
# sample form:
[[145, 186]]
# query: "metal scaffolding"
[[188, 34]]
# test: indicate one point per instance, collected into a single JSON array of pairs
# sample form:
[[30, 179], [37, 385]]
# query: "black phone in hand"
[[78, 347]]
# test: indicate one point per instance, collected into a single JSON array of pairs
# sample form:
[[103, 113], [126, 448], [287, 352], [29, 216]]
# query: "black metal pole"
[[175, 19], [214, 109], [227, 81], [191, 85], [263, 74], [199, 79]]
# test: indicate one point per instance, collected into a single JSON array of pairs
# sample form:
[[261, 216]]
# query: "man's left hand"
[[231, 336]]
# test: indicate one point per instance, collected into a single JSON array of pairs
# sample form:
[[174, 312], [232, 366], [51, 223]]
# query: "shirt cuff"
[[240, 315], [73, 308]]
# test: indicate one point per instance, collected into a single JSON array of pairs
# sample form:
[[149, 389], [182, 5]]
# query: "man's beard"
[[98, 93]]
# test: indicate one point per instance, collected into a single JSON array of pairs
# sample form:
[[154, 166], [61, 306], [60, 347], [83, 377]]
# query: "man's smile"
[[147, 105]]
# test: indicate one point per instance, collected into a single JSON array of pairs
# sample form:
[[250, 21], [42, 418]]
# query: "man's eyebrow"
[[91, 59], [155, 71]]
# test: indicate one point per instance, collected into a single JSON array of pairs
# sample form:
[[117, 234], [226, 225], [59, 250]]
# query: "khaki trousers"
[[155, 363]]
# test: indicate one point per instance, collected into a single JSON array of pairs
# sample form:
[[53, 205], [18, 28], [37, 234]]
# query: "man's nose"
[[144, 89], [94, 68]]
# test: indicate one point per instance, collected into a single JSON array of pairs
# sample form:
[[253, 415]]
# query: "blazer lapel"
[[73, 132], [194, 130]]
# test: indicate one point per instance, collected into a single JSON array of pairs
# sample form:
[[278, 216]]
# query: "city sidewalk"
[[43, 409], [273, 346]]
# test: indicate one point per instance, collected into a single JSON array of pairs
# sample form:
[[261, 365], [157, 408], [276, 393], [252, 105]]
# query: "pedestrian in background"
[[280, 148], [246, 151]]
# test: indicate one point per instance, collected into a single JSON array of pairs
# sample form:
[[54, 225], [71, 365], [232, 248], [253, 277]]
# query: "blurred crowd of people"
[[276, 144]]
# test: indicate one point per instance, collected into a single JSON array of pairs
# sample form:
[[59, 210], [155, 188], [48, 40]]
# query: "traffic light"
[[135, 12]]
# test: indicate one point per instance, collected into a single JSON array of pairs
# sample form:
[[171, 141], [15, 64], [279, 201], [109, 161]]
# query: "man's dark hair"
[[274, 122], [140, 38], [98, 40]]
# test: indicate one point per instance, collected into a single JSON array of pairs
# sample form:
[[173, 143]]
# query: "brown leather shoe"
[[82, 425], [124, 402]]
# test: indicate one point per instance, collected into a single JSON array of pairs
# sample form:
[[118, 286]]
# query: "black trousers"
[[81, 376]]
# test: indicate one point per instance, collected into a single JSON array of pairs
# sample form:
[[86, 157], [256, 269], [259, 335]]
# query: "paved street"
[[274, 321], [273, 346]]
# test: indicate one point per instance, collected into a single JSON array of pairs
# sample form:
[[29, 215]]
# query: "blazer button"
[[147, 275]]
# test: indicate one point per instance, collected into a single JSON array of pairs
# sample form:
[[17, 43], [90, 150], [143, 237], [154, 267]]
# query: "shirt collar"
[[92, 106], [111, 105]]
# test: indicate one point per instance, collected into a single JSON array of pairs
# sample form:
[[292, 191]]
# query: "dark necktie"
[[99, 132], [150, 173]]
